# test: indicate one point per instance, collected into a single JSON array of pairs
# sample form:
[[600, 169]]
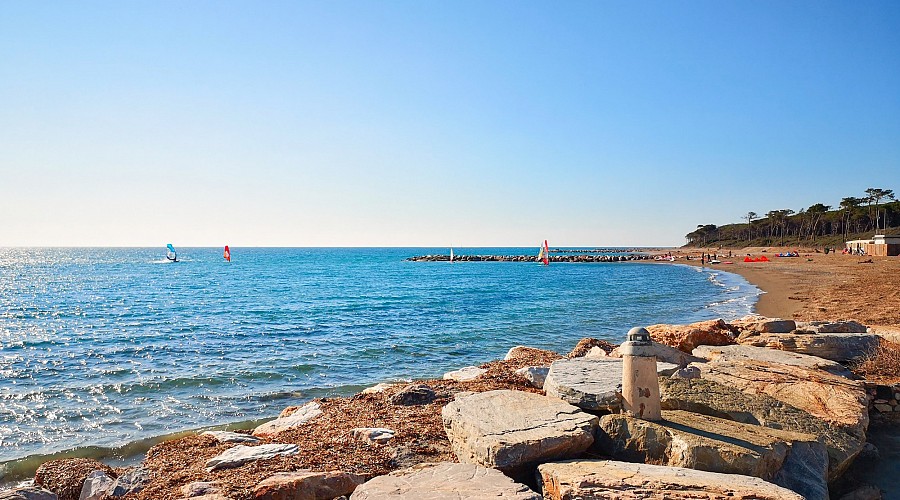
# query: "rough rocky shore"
[[756, 408]]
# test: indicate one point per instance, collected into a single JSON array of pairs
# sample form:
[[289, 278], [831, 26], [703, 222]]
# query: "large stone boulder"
[[240, 455], [307, 485], [683, 439], [755, 325], [830, 397], [839, 347], [297, 418], [444, 481], [711, 398], [535, 375], [514, 430], [603, 479], [688, 337], [414, 394], [663, 353], [589, 383], [746, 352]]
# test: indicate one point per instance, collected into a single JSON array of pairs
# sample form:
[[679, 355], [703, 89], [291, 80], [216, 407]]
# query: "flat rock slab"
[[231, 437], [300, 416], [833, 327], [512, 430], [307, 485], [465, 374], [682, 439], [589, 383], [444, 481], [839, 347], [830, 397], [747, 352], [27, 493], [760, 324], [711, 398], [240, 455], [605, 479]]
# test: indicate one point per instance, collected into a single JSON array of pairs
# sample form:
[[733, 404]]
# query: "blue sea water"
[[102, 347]]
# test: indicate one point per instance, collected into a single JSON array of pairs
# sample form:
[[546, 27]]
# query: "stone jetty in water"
[[531, 258], [754, 408]]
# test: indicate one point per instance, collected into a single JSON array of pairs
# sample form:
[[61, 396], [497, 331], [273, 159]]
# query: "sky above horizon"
[[411, 123]]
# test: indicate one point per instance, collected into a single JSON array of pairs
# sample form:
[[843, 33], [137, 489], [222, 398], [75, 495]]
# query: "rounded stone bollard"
[[640, 386]]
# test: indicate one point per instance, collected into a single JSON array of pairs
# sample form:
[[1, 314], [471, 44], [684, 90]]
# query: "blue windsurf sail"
[[170, 253]]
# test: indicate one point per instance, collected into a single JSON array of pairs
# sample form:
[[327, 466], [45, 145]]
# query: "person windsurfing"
[[171, 254]]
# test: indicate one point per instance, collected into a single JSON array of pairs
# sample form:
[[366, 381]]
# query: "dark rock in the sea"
[[307, 485], [65, 477], [414, 394], [27, 493]]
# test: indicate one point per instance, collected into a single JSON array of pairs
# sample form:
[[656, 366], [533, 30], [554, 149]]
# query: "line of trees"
[[875, 212]]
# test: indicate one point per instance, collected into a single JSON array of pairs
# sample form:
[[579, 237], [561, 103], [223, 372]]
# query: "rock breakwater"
[[531, 258]]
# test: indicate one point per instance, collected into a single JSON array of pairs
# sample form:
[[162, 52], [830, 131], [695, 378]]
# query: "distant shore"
[[814, 285]]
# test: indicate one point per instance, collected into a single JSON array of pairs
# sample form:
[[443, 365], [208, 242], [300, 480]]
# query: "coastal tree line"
[[876, 212]]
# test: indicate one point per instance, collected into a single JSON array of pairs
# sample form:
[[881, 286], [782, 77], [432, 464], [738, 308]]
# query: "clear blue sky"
[[399, 123]]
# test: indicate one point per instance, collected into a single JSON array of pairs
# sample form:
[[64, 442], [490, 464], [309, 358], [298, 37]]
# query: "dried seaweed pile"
[[326, 442]]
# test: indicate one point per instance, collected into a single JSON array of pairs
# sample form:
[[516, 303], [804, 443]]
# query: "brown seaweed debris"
[[325, 442], [66, 477]]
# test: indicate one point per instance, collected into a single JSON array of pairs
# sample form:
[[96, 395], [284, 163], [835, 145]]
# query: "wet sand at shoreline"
[[815, 286]]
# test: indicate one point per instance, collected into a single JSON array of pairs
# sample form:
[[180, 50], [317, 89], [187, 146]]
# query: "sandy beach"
[[816, 286]]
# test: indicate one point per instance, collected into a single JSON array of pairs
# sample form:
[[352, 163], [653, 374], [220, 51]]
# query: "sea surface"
[[102, 348]]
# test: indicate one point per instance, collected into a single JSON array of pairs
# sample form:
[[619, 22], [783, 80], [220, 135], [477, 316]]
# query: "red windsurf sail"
[[227, 254]]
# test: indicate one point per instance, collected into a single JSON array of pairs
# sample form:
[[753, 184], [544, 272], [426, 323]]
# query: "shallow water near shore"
[[100, 348]]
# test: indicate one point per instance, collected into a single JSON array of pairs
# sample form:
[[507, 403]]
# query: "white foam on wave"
[[739, 296]]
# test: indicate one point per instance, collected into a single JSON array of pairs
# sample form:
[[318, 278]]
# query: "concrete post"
[[640, 386]]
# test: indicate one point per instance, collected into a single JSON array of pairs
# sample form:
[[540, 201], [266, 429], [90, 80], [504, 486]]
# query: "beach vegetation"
[[881, 364], [817, 225]]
